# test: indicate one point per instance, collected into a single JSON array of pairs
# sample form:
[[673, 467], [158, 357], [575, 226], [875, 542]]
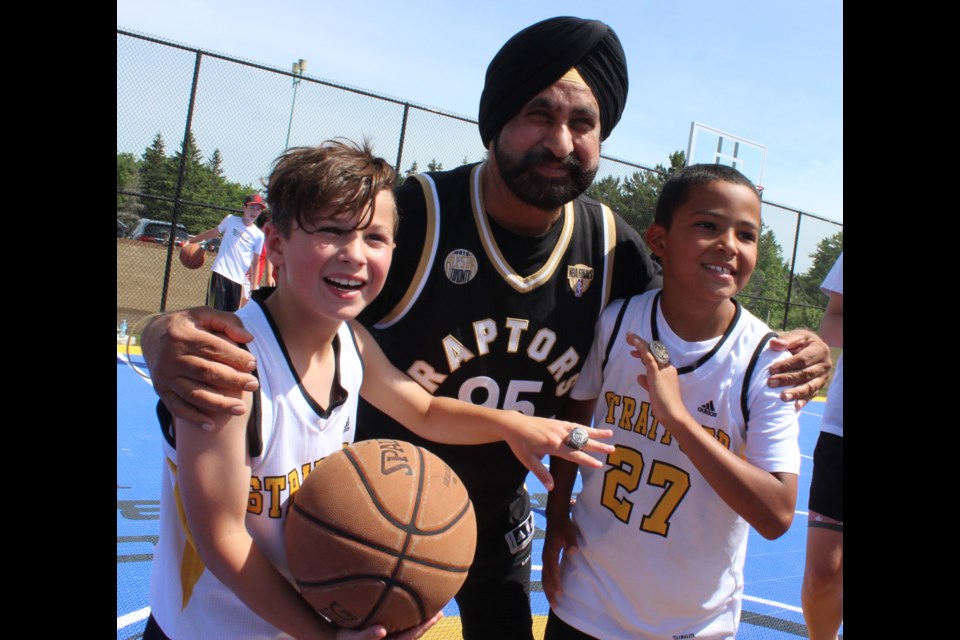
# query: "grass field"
[[140, 273]]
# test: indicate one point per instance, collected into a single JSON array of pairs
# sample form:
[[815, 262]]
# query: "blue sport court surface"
[[773, 574]]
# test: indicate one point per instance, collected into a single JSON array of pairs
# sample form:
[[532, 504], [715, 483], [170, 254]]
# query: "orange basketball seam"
[[391, 594], [389, 551], [405, 527]]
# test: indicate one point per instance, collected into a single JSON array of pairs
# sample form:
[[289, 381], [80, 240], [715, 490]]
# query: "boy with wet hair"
[[220, 567], [704, 449]]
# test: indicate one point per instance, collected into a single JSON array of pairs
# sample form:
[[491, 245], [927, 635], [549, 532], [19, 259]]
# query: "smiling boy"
[[220, 566], [704, 449]]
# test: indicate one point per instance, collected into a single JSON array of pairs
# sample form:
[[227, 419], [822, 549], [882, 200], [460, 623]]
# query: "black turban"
[[538, 56]]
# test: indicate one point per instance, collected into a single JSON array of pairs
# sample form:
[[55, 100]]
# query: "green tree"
[[204, 183], [607, 191], [767, 289], [155, 179], [806, 294], [433, 165], [197, 186], [128, 179], [824, 257], [636, 196]]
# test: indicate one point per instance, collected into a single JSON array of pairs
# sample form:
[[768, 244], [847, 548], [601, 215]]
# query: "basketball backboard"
[[712, 146]]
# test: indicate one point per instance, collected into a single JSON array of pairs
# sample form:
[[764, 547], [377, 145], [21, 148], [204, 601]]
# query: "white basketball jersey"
[[660, 554], [291, 436]]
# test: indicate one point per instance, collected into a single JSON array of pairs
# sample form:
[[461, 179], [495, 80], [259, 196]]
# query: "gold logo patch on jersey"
[[460, 266], [579, 276]]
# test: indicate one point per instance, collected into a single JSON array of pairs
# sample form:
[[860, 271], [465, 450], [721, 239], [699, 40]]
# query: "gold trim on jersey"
[[191, 566], [609, 253], [515, 280], [431, 241]]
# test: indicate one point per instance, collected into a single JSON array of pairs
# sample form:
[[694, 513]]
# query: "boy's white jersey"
[[291, 436], [660, 554]]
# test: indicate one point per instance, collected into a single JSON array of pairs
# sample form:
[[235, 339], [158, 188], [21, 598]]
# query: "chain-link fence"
[[197, 131]]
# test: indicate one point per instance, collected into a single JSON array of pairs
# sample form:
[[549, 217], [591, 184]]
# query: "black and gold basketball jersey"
[[474, 312]]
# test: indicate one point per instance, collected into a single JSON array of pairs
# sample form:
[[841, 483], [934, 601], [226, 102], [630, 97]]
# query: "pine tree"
[[155, 179]]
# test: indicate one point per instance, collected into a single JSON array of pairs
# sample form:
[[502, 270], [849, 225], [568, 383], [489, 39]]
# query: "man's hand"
[[806, 371], [561, 536], [191, 359]]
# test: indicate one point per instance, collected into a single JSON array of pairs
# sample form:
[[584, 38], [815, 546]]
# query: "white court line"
[[788, 607], [142, 375], [130, 618]]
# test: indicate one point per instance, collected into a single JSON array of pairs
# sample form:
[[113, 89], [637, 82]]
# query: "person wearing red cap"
[[239, 256]]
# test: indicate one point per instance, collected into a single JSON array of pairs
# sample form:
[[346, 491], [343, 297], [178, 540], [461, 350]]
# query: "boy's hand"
[[561, 536], [806, 372], [191, 359], [537, 437], [661, 382]]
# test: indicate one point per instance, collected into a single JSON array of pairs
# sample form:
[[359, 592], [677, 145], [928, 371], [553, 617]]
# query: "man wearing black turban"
[[500, 271], [541, 54]]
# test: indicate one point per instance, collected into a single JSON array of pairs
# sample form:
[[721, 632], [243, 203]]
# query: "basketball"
[[381, 532], [191, 256]]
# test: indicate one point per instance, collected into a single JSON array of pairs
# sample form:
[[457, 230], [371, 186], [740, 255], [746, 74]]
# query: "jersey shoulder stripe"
[[428, 255]]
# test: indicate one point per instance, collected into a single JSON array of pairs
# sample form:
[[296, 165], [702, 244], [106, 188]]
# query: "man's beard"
[[535, 189]]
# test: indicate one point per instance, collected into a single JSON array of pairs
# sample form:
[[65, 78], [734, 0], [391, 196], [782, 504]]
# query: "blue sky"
[[770, 72]]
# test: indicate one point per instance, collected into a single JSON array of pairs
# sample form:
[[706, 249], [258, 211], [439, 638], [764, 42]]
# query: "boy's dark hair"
[[675, 190], [333, 180]]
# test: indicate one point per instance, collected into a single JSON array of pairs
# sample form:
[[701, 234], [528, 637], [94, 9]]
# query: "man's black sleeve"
[[412, 208], [634, 270]]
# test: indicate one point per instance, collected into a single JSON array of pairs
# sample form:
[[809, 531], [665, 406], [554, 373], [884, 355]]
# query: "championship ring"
[[577, 438], [660, 353]]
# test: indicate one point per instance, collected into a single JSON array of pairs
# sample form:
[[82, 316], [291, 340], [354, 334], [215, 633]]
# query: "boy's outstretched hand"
[[537, 437], [192, 356]]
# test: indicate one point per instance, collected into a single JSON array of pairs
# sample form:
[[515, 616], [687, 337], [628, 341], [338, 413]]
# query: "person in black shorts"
[[822, 591]]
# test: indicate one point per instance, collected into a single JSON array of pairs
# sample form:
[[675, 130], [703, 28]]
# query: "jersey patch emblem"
[[580, 277], [460, 266]]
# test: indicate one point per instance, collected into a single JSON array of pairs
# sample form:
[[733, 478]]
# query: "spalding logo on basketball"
[[381, 532]]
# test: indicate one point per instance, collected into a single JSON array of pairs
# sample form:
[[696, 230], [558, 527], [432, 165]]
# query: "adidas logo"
[[708, 409]]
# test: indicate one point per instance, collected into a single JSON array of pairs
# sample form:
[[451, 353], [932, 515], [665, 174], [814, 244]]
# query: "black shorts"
[[494, 602], [826, 489], [153, 630], [223, 293], [557, 629]]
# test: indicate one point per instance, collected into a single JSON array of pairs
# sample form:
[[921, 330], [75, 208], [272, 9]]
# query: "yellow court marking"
[[122, 350], [450, 629]]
